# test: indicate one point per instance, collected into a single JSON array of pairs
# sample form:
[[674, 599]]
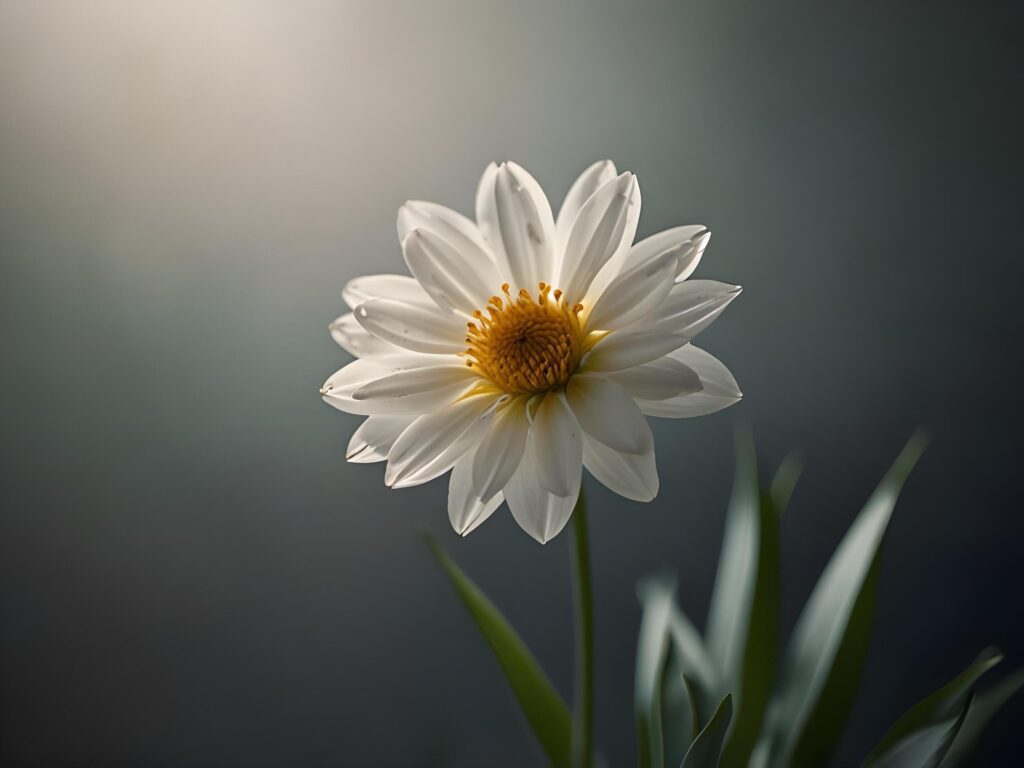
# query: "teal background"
[[190, 573]]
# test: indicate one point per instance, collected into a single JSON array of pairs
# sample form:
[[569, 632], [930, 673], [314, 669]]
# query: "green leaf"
[[937, 707], [651, 655], [545, 711], [677, 709], [925, 748], [984, 707], [784, 482], [821, 669], [742, 634], [706, 750]]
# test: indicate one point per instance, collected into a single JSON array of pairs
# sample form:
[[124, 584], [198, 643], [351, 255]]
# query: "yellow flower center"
[[526, 345]]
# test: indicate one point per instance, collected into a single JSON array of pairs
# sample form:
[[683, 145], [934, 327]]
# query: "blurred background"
[[190, 573]]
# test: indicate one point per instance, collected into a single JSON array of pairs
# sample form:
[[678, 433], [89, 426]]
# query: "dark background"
[[190, 573]]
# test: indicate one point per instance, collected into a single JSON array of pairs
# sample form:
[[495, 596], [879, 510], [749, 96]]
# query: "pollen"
[[526, 345]]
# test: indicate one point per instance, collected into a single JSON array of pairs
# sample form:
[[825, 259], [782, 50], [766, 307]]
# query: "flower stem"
[[583, 599]]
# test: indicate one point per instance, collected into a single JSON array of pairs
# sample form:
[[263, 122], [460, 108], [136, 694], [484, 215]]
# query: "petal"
[[338, 389], [607, 412], [397, 287], [557, 444], [415, 390], [592, 179], [634, 293], [539, 513], [451, 280], [657, 380], [633, 475], [501, 450], [412, 326], [435, 441], [719, 388], [624, 349], [606, 221], [451, 226], [687, 243], [359, 342], [690, 307], [374, 438], [466, 510]]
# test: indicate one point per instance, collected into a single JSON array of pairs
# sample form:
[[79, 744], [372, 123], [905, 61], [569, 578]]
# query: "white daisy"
[[526, 347]]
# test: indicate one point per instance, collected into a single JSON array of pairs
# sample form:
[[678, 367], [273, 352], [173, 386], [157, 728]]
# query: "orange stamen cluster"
[[523, 345]]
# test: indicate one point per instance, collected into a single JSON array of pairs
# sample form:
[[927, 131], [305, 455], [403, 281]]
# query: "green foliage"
[[545, 711], [706, 750]]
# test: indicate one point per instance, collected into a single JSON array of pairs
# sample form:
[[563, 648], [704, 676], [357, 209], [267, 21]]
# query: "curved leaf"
[[821, 669], [936, 707], [984, 707], [706, 750], [743, 629], [926, 747], [651, 655], [544, 709]]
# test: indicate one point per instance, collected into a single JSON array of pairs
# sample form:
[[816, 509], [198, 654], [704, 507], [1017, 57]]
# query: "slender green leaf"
[[742, 632], [677, 709], [784, 482], [938, 706], [545, 711], [925, 748], [984, 707], [706, 750], [651, 655], [821, 669]]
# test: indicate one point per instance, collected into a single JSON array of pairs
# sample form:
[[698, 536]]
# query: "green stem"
[[583, 598]]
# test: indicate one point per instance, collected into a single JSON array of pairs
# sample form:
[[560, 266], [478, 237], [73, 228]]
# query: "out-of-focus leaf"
[[821, 669], [742, 634], [677, 709], [784, 482], [706, 750], [926, 747], [651, 654], [937, 707], [984, 707], [545, 711], [694, 658]]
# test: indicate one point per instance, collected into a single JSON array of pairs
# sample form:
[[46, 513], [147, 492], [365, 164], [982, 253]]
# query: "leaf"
[[706, 750], [742, 634], [926, 747], [784, 482], [678, 709], [545, 711], [984, 707], [651, 655], [821, 668], [936, 707]]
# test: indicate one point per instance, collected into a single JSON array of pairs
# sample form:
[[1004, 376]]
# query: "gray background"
[[190, 572]]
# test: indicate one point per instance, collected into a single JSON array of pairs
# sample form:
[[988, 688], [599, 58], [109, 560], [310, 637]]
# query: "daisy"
[[527, 346]]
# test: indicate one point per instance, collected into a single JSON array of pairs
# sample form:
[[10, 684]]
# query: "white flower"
[[526, 347]]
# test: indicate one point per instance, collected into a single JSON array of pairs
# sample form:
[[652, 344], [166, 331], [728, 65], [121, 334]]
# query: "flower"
[[526, 347]]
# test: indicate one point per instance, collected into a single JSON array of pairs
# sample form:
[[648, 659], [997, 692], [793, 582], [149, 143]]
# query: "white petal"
[[592, 179], [558, 444], [657, 380], [634, 293], [451, 280], [435, 441], [527, 226], [690, 307], [451, 226], [359, 342], [416, 390], [633, 475], [397, 287], [501, 450], [719, 388], [624, 349], [374, 438], [412, 326], [600, 229], [541, 514], [466, 510], [338, 389], [614, 265], [607, 412], [686, 243]]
